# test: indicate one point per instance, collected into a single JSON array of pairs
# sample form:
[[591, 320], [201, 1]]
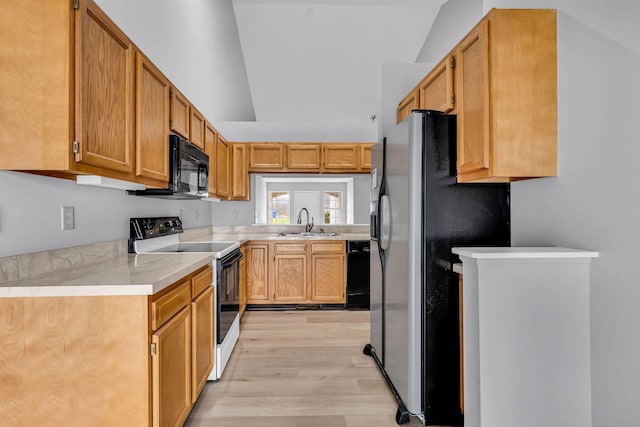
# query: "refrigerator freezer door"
[[402, 303], [375, 264]]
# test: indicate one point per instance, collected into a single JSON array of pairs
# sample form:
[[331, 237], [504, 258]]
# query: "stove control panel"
[[148, 228]]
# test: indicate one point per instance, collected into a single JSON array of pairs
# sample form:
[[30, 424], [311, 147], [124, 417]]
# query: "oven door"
[[228, 292]]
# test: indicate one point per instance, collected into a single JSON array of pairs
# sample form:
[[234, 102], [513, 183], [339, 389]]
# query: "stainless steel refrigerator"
[[418, 213]]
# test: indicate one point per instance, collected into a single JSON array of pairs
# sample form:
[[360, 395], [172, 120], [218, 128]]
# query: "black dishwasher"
[[357, 274]]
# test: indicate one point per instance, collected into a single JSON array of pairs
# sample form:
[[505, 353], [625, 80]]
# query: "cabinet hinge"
[[76, 4], [452, 62], [170, 93], [75, 147], [170, 123], [153, 349], [453, 98]]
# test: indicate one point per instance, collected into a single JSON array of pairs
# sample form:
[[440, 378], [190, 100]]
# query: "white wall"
[[196, 45], [592, 204]]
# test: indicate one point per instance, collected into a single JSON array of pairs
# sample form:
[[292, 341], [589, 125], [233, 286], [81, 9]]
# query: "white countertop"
[[245, 237], [523, 252], [130, 274]]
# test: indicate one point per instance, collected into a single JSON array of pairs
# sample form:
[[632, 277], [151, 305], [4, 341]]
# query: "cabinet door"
[[210, 147], [290, 278], [152, 121], [364, 157], [104, 106], [223, 154], [239, 174], [436, 89], [266, 157], [303, 157], [410, 102], [180, 115], [328, 280], [340, 157], [196, 128], [473, 101], [202, 354], [257, 273], [243, 282], [171, 371]]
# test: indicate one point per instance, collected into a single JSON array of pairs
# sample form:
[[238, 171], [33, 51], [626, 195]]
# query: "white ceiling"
[[318, 60]]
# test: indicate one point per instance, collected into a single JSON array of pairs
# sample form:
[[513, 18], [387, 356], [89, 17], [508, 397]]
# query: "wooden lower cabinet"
[[123, 360], [243, 281], [296, 272], [257, 275], [328, 272], [171, 371], [202, 344], [289, 272]]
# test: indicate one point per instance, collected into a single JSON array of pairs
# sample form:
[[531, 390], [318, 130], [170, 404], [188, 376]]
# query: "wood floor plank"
[[299, 368]]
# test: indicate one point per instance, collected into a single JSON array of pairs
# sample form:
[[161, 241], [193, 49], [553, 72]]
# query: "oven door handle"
[[231, 259]]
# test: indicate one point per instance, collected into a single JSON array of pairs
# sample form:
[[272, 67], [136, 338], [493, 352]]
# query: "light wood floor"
[[299, 369]]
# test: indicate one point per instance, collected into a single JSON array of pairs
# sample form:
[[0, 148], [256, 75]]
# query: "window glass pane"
[[278, 212], [332, 207]]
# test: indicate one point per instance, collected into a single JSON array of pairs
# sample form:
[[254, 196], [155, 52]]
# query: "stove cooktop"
[[197, 247]]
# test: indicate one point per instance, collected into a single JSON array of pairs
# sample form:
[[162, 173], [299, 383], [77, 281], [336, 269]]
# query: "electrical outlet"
[[68, 220], [235, 214]]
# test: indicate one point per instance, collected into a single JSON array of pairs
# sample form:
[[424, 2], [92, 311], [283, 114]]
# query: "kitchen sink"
[[318, 234]]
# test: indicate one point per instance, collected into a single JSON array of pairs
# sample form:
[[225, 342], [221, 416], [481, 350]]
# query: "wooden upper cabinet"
[[436, 89], [410, 102], [152, 121], [364, 157], [240, 180], [210, 147], [196, 128], [104, 106], [223, 168], [506, 90], [303, 157], [474, 109], [266, 157], [180, 119], [340, 157]]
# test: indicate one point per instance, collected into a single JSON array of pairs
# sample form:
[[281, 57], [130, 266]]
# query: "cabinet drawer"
[[201, 281], [290, 248], [334, 248], [165, 307]]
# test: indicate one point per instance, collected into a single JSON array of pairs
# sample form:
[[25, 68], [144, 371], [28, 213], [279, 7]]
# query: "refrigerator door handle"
[[385, 222]]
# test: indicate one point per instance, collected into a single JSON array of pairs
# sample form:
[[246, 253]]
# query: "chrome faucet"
[[308, 227]]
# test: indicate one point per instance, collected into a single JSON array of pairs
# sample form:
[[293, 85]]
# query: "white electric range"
[[159, 235]]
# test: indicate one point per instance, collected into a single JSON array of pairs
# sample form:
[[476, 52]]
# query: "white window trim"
[[262, 202]]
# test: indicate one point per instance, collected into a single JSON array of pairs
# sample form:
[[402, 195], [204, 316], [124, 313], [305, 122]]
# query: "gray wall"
[[591, 204], [203, 58], [30, 213], [243, 213]]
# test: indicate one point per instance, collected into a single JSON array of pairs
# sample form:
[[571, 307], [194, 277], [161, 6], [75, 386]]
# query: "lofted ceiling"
[[318, 60]]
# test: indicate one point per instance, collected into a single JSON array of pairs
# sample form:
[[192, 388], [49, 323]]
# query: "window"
[[279, 207], [332, 207], [279, 200]]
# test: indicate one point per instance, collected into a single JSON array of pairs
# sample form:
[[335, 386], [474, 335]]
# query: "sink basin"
[[308, 234]]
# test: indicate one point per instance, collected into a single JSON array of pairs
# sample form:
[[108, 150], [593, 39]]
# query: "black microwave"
[[188, 173]]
